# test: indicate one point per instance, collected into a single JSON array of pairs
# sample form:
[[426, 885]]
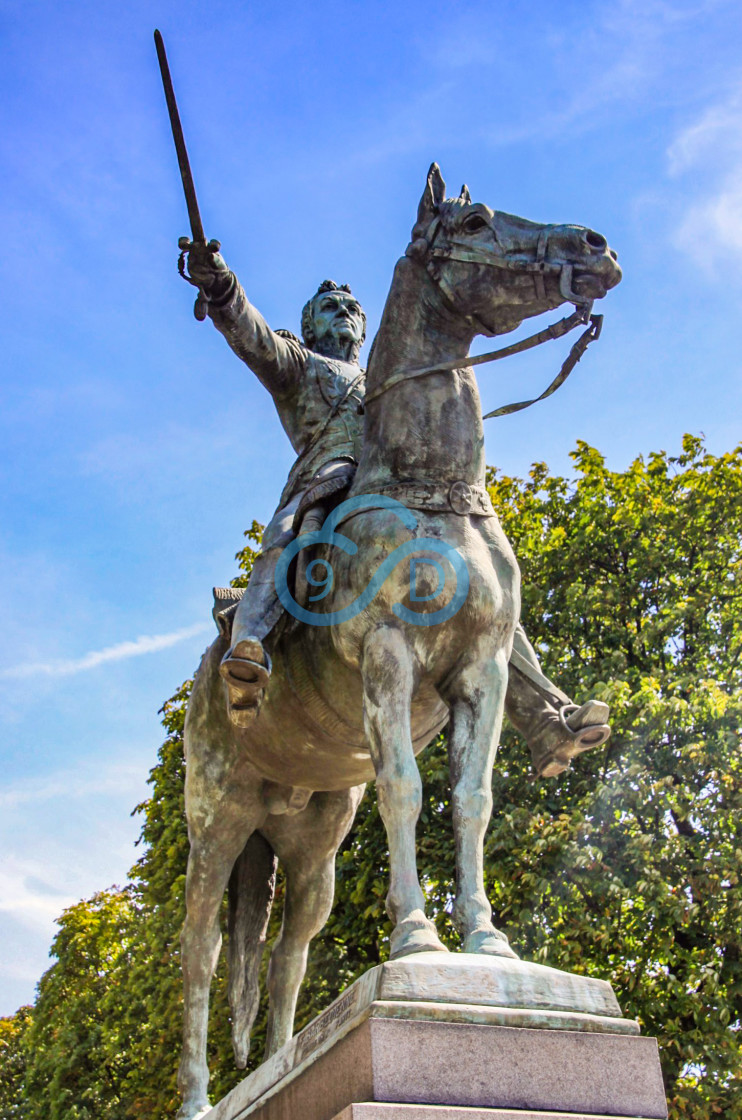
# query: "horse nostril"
[[595, 240]]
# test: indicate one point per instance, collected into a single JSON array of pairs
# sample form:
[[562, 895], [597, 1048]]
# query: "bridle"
[[424, 250], [457, 250]]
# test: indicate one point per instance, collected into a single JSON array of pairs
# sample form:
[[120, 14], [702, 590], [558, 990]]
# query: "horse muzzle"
[[592, 268], [593, 279]]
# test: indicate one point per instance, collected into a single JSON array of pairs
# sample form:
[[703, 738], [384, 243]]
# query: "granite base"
[[377, 1111], [454, 1033]]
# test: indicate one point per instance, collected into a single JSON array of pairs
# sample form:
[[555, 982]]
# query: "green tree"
[[13, 1104], [634, 874], [76, 1060], [627, 868]]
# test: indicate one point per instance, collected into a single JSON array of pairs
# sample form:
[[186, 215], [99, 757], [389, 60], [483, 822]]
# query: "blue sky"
[[135, 448]]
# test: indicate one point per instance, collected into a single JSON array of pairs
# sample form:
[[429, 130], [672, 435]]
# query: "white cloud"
[[63, 836], [29, 893], [711, 230], [713, 141], [13, 968], [65, 667], [708, 152], [69, 784]]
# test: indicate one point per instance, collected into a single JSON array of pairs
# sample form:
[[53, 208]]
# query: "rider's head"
[[333, 322]]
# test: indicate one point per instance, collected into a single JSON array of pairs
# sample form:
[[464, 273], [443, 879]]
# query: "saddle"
[[226, 600], [321, 496]]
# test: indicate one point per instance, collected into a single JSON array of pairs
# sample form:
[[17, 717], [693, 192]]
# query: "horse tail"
[[251, 888]]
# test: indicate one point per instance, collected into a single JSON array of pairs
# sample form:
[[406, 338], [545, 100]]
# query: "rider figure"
[[318, 390]]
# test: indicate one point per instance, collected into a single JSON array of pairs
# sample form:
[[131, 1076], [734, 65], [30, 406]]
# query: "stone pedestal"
[[460, 1037], [371, 1111]]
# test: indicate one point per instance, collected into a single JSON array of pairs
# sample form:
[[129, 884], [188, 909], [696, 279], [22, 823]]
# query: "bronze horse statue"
[[358, 699]]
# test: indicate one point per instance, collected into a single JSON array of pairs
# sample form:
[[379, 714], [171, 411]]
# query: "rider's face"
[[337, 315]]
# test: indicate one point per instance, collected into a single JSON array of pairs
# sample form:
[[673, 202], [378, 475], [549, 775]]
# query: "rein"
[[458, 251], [595, 325]]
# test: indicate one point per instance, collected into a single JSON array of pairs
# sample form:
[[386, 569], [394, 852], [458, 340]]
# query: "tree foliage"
[[13, 1105], [76, 1056], [627, 868]]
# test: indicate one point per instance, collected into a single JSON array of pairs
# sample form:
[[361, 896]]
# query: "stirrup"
[[585, 737], [246, 682], [588, 734], [241, 672]]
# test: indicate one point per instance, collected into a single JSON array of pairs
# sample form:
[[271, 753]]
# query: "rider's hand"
[[206, 265]]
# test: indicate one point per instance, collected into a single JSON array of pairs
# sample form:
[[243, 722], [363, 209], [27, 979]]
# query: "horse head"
[[496, 269]]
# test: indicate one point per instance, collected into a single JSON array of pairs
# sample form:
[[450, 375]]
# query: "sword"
[[194, 217]]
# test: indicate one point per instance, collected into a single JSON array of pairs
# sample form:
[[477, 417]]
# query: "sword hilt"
[[201, 306], [185, 243]]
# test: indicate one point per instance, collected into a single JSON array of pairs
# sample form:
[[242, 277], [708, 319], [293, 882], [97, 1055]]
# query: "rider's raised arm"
[[276, 361]]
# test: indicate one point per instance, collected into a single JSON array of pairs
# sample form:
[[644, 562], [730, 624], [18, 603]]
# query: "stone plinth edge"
[[444, 988], [378, 1111]]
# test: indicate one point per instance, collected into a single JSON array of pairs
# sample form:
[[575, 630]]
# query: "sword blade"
[[197, 229]]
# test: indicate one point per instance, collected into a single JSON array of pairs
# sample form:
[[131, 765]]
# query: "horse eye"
[[474, 223]]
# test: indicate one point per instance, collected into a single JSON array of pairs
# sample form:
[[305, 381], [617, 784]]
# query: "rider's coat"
[[306, 387], [319, 402]]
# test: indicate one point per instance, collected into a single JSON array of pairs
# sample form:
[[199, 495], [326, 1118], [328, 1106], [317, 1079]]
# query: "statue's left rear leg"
[[306, 845], [214, 849]]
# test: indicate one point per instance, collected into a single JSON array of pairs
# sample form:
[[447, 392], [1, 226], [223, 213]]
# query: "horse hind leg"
[[388, 670], [476, 699], [306, 845], [213, 853]]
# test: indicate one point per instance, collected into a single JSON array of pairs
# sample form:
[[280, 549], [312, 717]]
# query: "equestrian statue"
[[294, 710]]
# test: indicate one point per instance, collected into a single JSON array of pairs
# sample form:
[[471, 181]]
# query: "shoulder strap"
[[331, 414]]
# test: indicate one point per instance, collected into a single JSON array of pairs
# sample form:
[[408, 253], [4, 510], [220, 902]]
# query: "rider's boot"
[[555, 729], [246, 666], [567, 732], [246, 669]]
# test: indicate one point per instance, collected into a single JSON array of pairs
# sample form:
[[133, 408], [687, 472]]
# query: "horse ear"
[[433, 195], [465, 196], [436, 184]]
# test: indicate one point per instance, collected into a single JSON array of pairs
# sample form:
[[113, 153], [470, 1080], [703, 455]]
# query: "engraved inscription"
[[326, 1025]]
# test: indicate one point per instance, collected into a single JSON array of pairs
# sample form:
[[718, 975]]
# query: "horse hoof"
[[491, 942], [193, 1112], [415, 934]]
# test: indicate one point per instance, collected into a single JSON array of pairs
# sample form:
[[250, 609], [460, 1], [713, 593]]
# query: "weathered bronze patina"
[[317, 711]]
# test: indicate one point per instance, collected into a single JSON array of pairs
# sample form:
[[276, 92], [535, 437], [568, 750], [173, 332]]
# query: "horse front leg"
[[476, 698], [389, 678]]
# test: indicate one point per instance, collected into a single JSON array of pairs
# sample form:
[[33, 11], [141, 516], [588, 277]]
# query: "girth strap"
[[458, 497]]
